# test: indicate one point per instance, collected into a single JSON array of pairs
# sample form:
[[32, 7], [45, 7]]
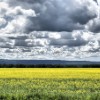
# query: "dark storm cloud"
[[96, 1], [69, 43], [58, 15], [20, 43], [94, 25], [71, 39], [18, 37]]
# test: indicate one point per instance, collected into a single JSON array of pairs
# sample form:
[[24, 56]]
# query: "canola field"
[[49, 84]]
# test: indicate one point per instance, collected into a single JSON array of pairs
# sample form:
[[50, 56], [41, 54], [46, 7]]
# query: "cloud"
[[49, 29], [94, 25], [59, 15], [75, 38], [13, 19], [2, 22], [76, 44], [55, 15]]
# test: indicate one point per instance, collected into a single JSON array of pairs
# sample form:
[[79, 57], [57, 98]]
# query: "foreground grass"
[[49, 84]]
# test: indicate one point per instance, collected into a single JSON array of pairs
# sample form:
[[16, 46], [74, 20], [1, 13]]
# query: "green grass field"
[[49, 84]]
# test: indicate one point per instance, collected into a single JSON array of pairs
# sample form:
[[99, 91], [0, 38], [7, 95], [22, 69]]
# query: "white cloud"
[[2, 22], [14, 19], [12, 12]]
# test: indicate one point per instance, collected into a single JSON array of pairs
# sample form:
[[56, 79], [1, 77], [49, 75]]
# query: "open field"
[[49, 84]]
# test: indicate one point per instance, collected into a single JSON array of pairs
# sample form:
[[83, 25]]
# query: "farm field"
[[49, 84]]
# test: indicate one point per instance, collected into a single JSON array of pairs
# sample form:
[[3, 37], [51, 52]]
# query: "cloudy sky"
[[50, 29]]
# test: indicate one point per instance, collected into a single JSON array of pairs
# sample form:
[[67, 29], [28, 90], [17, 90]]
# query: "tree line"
[[48, 66]]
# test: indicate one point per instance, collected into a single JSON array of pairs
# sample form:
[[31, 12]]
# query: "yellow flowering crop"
[[50, 84]]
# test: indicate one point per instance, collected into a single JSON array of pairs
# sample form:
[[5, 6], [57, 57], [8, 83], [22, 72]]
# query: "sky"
[[50, 29]]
